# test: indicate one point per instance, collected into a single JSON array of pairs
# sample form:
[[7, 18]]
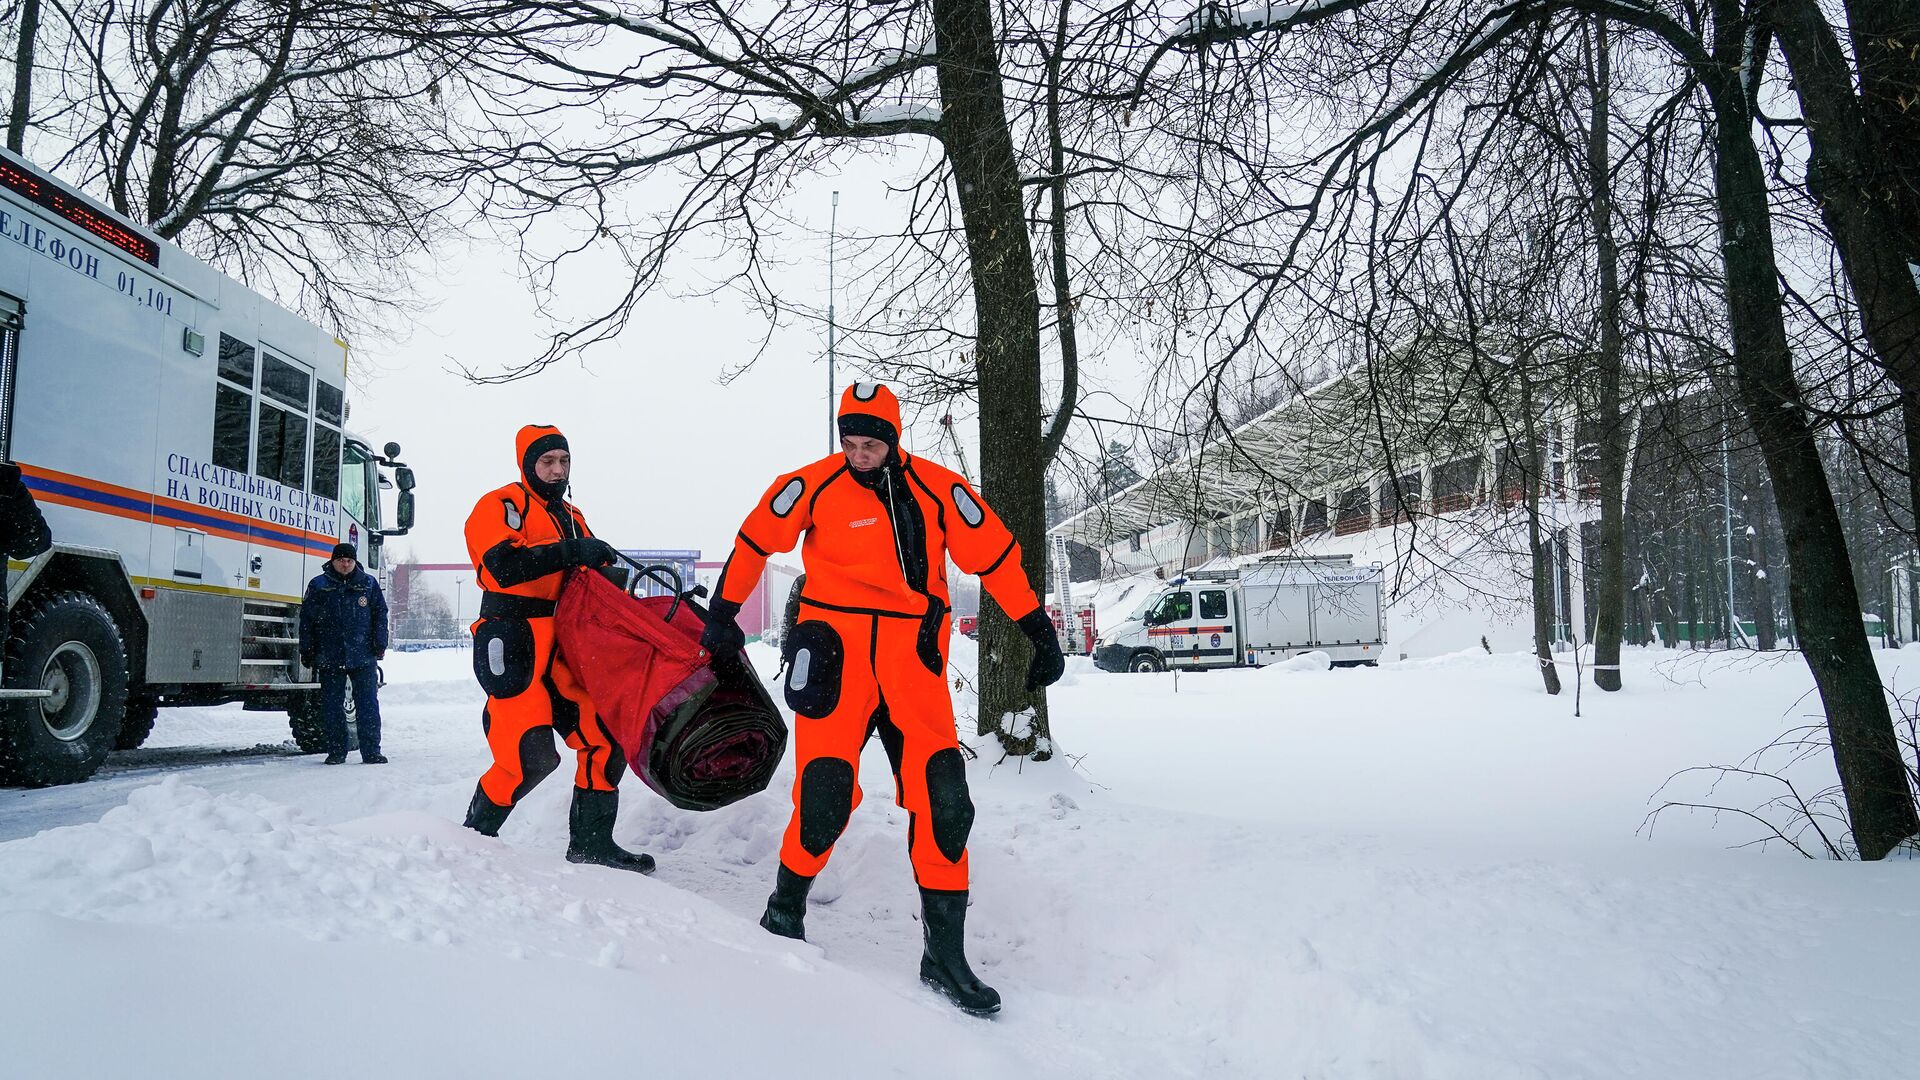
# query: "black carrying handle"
[[665, 575]]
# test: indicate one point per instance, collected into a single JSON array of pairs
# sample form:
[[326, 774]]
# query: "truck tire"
[[309, 734], [137, 724], [1146, 660], [67, 642]]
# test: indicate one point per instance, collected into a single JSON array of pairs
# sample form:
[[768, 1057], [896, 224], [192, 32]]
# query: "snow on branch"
[[1216, 21], [903, 112]]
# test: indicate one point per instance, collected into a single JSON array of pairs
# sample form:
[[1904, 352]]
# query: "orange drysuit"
[[869, 652], [523, 537]]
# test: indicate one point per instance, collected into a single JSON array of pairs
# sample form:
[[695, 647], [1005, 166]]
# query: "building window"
[[1356, 511], [1400, 498], [1454, 483], [1509, 476], [1246, 535], [1314, 520], [1280, 528]]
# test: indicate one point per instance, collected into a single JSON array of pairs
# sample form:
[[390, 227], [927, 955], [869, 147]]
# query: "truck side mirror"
[[1152, 618], [404, 477], [403, 513]]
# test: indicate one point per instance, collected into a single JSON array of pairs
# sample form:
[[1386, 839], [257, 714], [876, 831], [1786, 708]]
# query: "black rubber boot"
[[485, 816], [787, 907], [944, 965], [590, 833]]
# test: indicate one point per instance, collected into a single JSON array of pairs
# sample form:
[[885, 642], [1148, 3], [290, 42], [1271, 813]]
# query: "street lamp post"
[[833, 235]]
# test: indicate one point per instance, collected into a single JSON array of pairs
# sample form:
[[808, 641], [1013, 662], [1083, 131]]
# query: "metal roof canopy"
[[1322, 439]]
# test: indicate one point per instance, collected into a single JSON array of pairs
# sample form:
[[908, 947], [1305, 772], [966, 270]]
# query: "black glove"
[[723, 636], [306, 660], [1048, 662], [587, 551]]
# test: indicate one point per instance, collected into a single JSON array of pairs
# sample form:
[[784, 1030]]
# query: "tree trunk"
[[1910, 425], [1540, 561], [1690, 591], [1766, 633], [1854, 190], [1063, 302], [1883, 34], [19, 112], [1007, 348], [1825, 604], [1609, 555]]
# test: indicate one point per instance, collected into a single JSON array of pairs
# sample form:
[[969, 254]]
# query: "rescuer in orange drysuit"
[[869, 656], [523, 538]]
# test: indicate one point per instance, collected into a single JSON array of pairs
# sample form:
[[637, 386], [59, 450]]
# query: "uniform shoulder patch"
[[514, 520], [970, 511], [788, 496]]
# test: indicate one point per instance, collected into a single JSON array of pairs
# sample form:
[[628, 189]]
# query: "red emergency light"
[[76, 210]]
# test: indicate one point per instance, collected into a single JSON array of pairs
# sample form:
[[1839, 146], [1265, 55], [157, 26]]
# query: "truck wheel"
[[65, 642], [1146, 660], [309, 733], [137, 724]]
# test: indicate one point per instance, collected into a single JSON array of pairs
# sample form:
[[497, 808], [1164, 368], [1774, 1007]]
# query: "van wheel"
[[309, 733], [1146, 660], [67, 643], [137, 724]]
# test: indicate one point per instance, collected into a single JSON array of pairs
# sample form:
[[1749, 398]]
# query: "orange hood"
[[532, 441], [871, 410]]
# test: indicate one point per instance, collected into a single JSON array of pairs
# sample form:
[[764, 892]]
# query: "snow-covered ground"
[[1427, 870]]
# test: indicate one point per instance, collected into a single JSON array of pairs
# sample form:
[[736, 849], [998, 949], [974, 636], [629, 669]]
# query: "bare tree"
[[283, 142], [26, 36]]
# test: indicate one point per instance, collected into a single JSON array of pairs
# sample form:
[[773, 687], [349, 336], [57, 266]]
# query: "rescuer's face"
[[863, 454], [343, 566], [553, 466]]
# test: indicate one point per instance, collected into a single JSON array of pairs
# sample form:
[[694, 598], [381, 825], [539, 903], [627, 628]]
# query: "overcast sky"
[[664, 455]]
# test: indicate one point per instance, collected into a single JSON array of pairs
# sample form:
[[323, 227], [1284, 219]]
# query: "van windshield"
[[1140, 610]]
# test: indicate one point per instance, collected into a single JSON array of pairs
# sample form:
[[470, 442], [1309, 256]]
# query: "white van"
[[1259, 614]]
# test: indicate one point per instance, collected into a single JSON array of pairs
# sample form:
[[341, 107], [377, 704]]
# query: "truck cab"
[[1189, 624]]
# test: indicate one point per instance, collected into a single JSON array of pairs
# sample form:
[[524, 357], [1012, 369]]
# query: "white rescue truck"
[[185, 438], [1256, 615]]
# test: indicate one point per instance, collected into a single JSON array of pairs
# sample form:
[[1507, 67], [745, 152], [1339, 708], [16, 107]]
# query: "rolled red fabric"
[[700, 737]]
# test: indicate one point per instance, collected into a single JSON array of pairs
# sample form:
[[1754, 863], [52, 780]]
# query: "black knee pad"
[[503, 657], [891, 740], [566, 714], [949, 803], [929, 643], [826, 802], [615, 766], [538, 759], [815, 657]]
